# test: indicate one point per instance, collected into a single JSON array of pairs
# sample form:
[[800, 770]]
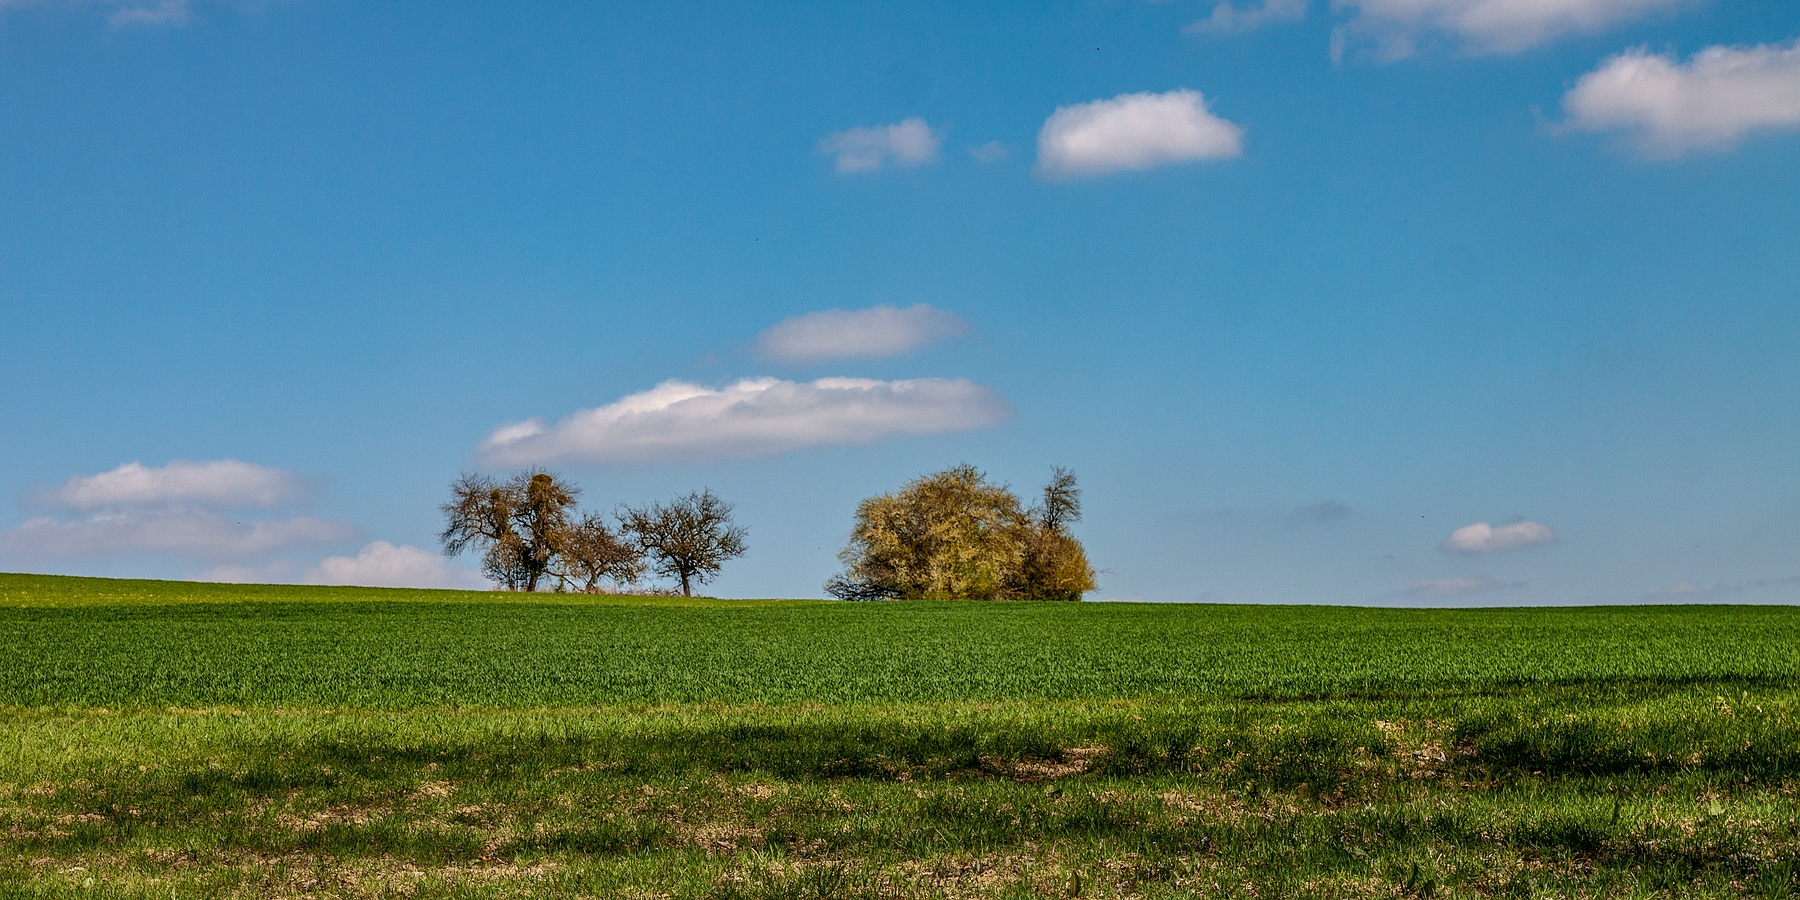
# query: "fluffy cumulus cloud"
[[872, 333], [906, 144], [681, 421], [219, 484], [1458, 586], [1133, 132], [1229, 19], [177, 509], [381, 564], [1669, 108], [1394, 29], [1484, 538], [188, 533]]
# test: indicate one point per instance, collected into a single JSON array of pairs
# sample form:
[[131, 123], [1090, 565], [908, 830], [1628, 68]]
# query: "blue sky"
[[1302, 292]]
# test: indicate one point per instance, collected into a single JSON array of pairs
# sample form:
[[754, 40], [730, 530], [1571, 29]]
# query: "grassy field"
[[167, 739]]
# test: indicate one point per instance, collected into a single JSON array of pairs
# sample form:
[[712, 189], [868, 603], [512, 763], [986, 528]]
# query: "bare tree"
[[1062, 501], [519, 524], [592, 553], [689, 539]]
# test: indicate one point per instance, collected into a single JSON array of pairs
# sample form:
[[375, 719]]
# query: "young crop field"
[[169, 739]]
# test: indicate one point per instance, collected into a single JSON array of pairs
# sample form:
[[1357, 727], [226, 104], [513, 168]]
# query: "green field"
[[169, 739]]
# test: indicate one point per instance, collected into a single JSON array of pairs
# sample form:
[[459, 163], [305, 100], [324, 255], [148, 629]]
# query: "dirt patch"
[[1073, 761]]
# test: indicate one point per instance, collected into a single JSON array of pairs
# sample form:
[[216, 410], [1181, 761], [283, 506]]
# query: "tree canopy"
[[954, 535], [528, 534], [519, 524], [688, 539]]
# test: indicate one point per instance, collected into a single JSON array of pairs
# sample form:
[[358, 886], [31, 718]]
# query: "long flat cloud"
[[188, 533], [1669, 108], [1484, 538], [1396, 28], [1132, 132], [873, 333], [1458, 586], [123, 13], [681, 421], [219, 484]]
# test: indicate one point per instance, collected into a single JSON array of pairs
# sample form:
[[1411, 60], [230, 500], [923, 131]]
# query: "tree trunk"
[[684, 586]]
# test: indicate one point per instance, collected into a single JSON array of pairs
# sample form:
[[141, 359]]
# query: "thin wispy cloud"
[[1227, 18], [168, 12], [1669, 108], [186, 533], [218, 484], [1396, 29], [1133, 132], [1457, 586], [1484, 538], [874, 333], [906, 144], [1323, 511], [991, 152], [682, 421], [119, 13], [1684, 591]]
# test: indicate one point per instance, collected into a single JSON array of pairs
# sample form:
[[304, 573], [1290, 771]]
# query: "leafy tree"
[[1055, 565], [689, 539], [952, 535], [519, 524], [592, 553]]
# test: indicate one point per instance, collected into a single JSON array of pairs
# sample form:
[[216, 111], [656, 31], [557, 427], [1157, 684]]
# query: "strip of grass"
[[92, 650], [375, 745]]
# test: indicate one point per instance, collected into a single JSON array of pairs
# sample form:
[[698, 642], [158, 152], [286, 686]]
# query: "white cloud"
[[381, 564], [1228, 19], [176, 509], [908, 144], [168, 12], [1133, 132], [1395, 28], [122, 13], [190, 533], [1484, 538], [992, 151], [1669, 108], [1459, 586], [872, 333], [678, 420], [219, 483]]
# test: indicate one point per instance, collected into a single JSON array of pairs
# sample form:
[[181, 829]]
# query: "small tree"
[[1055, 565], [952, 535], [689, 539], [592, 552], [519, 524]]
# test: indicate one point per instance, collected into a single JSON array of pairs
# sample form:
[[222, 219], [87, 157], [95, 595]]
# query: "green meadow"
[[164, 739]]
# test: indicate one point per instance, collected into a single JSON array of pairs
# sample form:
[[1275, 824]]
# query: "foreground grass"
[[1651, 752]]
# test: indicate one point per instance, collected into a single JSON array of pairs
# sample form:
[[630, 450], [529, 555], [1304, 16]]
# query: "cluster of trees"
[[530, 535], [953, 535]]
